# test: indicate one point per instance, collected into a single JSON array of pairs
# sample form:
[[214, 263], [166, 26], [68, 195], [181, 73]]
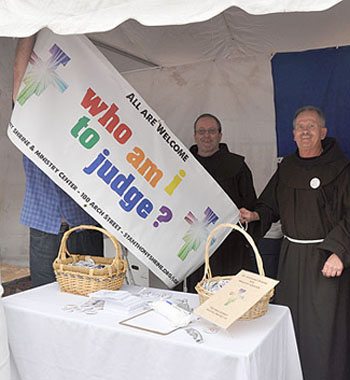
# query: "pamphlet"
[[235, 298]]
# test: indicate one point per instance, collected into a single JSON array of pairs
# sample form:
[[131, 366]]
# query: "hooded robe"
[[235, 178], [312, 198]]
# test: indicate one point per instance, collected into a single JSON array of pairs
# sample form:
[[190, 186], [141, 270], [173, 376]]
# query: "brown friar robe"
[[312, 199], [234, 176]]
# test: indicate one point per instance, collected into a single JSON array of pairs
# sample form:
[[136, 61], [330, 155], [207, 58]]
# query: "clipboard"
[[146, 321]]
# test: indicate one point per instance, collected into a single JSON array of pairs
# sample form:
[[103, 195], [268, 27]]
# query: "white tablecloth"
[[48, 343], [4, 351]]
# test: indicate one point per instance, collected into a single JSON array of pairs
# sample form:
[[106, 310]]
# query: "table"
[[4, 351], [48, 343]]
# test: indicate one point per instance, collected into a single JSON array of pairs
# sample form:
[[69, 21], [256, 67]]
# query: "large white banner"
[[81, 123]]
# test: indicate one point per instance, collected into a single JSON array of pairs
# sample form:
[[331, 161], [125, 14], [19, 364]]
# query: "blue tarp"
[[320, 78]]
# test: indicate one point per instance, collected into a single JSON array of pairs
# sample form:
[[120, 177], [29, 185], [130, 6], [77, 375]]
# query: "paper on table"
[[119, 301], [235, 298]]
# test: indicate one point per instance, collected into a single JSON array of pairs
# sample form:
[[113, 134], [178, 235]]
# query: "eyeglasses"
[[309, 127], [211, 131]]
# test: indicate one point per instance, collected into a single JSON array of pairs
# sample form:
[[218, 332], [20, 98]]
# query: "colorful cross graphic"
[[43, 74], [197, 233]]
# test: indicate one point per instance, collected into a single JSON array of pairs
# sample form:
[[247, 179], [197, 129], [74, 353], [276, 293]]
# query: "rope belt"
[[303, 241]]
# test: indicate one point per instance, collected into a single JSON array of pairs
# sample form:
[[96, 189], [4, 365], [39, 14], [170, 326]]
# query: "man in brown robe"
[[235, 178], [310, 194]]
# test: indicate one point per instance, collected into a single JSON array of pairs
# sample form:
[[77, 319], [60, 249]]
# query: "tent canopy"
[[24, 17], [184, 58], [231, 34], [222, 48], [176, 32]]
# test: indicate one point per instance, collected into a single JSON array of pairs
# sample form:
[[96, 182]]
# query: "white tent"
[[185, 57]]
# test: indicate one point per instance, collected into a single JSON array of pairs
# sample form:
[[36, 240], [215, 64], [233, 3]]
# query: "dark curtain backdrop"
[[316, 77]]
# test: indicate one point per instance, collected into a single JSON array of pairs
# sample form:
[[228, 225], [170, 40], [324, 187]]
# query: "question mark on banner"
[[167, 215]]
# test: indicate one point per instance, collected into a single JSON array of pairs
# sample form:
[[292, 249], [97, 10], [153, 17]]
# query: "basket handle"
[[207, 271], [63, 251]]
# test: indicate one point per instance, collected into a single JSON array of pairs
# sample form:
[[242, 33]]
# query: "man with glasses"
[[310, 194], [234, 176]]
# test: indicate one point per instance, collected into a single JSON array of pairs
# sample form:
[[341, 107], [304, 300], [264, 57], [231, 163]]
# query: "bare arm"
[[23, 51]]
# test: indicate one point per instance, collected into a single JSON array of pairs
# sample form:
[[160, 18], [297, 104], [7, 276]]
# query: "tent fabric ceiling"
[[213, 56], [232, 34], [19, 18]]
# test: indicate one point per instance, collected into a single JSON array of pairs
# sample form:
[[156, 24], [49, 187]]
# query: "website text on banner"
[[80, 122]]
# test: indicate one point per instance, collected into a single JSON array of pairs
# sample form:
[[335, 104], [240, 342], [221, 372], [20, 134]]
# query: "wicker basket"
[[260, 308], [82, 280]]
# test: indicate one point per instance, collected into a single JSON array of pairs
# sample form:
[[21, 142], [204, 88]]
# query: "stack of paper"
[[119, 300]]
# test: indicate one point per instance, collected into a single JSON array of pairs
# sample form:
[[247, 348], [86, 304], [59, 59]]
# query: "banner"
[[81, 123]]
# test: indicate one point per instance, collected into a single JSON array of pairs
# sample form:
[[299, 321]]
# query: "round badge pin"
[[315, 183]]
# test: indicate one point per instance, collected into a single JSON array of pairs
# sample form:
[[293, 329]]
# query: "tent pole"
[[123, 53]]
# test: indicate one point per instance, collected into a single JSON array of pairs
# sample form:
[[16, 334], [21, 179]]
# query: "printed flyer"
[[83, 124], [229, 303]]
